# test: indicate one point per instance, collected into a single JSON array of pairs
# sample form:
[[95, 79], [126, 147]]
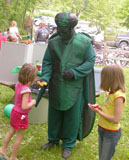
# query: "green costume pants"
[[65, 125]]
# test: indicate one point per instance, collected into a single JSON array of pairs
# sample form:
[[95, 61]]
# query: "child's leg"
[[6, 141], [17, 142], [110, 140], [100, 134]]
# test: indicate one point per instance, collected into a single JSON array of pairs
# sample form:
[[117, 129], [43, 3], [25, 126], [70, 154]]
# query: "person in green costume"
[[67, 67]]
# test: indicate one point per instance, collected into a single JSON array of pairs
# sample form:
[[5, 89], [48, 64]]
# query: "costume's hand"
[[68, 75], [42, 83]]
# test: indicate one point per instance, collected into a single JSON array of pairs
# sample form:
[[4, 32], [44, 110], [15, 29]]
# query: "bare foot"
[[12, 159], [2, 153]]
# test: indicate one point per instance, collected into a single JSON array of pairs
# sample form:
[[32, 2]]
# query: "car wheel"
[[121, 60], [123, 44]]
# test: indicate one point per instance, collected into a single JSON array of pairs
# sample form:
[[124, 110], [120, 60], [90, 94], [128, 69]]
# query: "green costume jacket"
[[77, 55]]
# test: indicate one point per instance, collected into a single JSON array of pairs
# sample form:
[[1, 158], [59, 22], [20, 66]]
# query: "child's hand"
[[33, 101], [94, 107]]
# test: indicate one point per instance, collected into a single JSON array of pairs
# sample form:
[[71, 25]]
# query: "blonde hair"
[[112, 78], [14, 23], [27, 73]]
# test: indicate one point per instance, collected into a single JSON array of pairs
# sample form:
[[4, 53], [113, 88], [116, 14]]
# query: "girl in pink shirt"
[[19, 113]]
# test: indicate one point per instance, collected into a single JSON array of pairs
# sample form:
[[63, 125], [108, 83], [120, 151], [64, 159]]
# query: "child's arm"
[[25, 104], [118, 106]]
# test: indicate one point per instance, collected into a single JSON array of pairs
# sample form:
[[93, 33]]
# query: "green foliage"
[[6, 94], [15, 10], [36, 135], [101, 13], [123, 13], [22, 31]]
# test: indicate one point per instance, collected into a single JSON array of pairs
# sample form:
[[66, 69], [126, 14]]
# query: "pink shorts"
[[18, 120]]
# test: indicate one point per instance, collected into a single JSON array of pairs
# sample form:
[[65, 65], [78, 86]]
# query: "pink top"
[[2, 38], [21, 89]]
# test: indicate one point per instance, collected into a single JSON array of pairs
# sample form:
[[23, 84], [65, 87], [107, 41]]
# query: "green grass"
[[36, 135]]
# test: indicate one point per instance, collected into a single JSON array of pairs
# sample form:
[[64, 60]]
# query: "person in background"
[[19, 113], [42, 34], [2, 38], [6, 34], [67, 68], [13, 30], [109, 129], [12, 38]]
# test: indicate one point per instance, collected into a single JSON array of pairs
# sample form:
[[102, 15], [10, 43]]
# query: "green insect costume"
[[68, 68]]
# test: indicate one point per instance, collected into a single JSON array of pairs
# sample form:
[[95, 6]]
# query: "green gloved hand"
[[68, 75]]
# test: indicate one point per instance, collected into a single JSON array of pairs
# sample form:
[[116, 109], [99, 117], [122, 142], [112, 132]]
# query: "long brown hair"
[[112, 78], [27, 73]]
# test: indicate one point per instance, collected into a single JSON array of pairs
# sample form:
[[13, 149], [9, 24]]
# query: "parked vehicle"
[[52, 28], [122, 40], [123, 57]]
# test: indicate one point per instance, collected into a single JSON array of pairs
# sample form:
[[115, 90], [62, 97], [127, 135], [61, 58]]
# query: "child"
[[19, 114], [109, 130], [11, 38]]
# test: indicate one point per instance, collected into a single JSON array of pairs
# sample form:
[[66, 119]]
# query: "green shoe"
[[47, 146], [66, 153]]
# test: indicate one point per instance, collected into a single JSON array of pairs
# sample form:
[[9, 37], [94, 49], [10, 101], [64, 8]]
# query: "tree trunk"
[[24, 13], [16, 6], [8, 2]]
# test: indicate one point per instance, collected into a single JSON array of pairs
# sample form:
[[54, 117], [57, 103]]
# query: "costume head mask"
[[65, 24]]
